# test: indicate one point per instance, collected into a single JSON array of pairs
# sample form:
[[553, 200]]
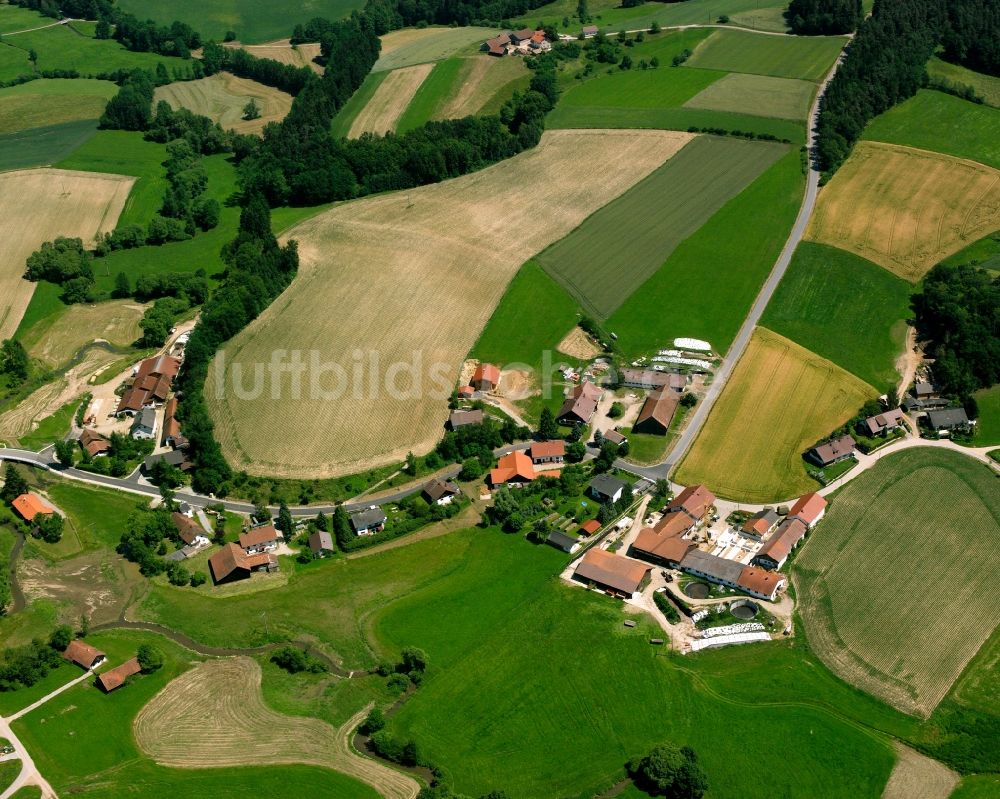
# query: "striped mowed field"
[[390, 100]]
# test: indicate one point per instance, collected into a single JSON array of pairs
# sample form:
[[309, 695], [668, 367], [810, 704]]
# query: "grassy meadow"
[[44, 146], [42, 103], [222, 98], [780, 400], [442, 81], [986, 86], [845, 309], [404, 48], [803, 57], [936, 121], [733, 252], [988, 429], [342, 122], [914, 637], [663, 87], [757, 95], [624, 243]]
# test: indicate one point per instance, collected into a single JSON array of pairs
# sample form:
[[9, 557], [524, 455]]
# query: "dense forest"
[[972, 35], [958, 313], [823, 17]]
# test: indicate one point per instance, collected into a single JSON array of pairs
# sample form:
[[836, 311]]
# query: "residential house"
[[539, 42], [497, 46], [116, 677], [231, 563], [612, 573], [696, 501], [615, 437], [589, 31], [606, 488], [94, 444], [523, 35], [261, 539], [779, 546], [657, 412], [190, 532], [882, 423], [925, 390], [457, 419], [28, 506], [144, 425], [84, 655], [368, 521], [562, 541], [321, 544], [172, 436], [486, 377], [832, 451], [580, 405], [947, 419], [548, 451], [150, 386], [440, 492], [809, 509], [175, 457], [515, 469], [760, 524]]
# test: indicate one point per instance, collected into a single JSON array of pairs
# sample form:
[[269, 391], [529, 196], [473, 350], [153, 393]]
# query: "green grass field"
[[623, 244], [985, 786], [988, 429], [807, 58], [44, 146], [844, 308], [434, 90], [42, 103], [345, 117], [733, 252], [533, 316], [986, 86], [869, 611], [51, 428], [984, 253], [252, 21], [13, 18], [757, 95], [663, 87], [936, 121], [419, 46]]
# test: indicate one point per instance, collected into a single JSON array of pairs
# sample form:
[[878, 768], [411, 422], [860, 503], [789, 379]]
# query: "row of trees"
[[286, 77], [823, 17]]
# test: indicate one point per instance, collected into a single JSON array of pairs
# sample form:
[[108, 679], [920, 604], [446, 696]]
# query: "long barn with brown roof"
[[612, 573], [657, 413], [116, 677]]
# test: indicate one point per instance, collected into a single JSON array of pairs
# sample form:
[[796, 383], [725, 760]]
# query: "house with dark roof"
[[321, 544], [832, 451], [457, 419], [947, 419], [486, 377], [760, 524], [440, 492], [809, 509], [657, 412], [548, 451], [497, 46], [605, 488], [580, 404], [83, 654], [94, 444], [696, 501], [779, 546], [232, 563], [615, 437], [611, 573], [260, 539], [652, 379], [144, 426], [174, 457], [560, 540], [115, 678], [368, 521]]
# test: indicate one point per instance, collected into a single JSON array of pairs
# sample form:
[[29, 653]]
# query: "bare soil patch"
[[214, 716], [222, 98], [444, 254], [36, 205], [918, 777], [390, 100], [577, 344]]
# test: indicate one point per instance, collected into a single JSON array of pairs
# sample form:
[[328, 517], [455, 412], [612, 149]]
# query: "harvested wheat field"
[[780, 400], [390, 100], [479, 80], [897, 586], [400, 277], [222, 98], [284, 52], [56, 340], [36, 205], [408, 46], [916, 776], [219, 705], [906, 209]]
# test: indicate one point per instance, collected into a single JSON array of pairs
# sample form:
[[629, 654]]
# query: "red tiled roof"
[[760, 581], [614, 571], [109, 680], [548, 449], [693, 500], [674, 524], [660, 406], [487, 372], [231, 557], [29, 506], [94, 443], [82, 654], [511, 466], [808, 507], [667, 547], [590, 526], [258, 536], [780, 545], [187, 528]]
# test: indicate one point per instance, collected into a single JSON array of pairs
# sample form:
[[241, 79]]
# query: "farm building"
[[615, 437], [657, 413], [486, 377], [523, 35], [606, 488], [732, 574], [144, 426], [651, 379], [548, 451], [697, 502], [580, 405], [440, 492], [83, 654], [176, 457], [515, 468], [150, 386], [368, 521], [497, 46], [673, 524], [760, 524], [882, 423], [231, 563], [457, 419], [466, 392], [189, 531], [172, 436], [94, 444], [780, 545], [947, 419], [28, 506], [925, 390], [832, 451], [589, 31], [809, 509], [116, 677], [761, 584], [662, 547], [590, 526], [321, 544], [612, 573], [562, 541]]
